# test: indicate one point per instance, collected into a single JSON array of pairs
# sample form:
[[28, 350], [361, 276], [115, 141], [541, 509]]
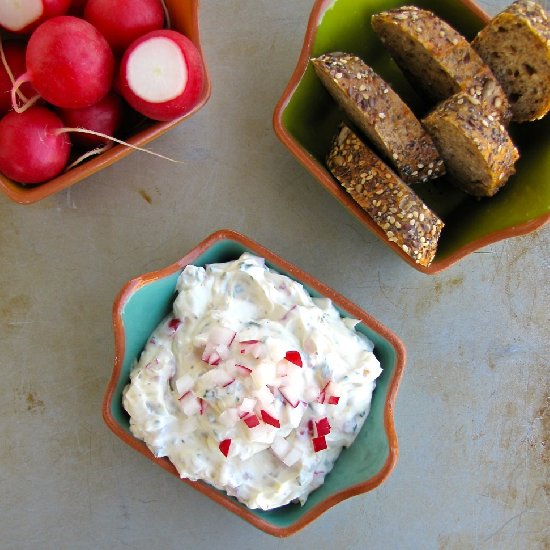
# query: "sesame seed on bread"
[[516, 45], [392, 205], [381, 114], [436, 58], [477, 149]]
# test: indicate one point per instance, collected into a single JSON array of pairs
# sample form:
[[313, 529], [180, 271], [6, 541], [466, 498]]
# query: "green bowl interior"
[[312, 117], [146, 307]]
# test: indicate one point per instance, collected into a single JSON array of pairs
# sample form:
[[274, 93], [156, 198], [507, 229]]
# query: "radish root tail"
[[15, 89], [168, 23], [111, 138], [9, 72], [93, 152]]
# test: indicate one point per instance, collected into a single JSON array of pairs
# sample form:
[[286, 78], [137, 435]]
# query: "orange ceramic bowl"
[[146, 300], [184, 17], [306, 118]]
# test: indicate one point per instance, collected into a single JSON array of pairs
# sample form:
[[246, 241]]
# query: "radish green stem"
[[99, 134]]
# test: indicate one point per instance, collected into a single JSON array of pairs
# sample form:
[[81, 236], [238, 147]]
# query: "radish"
[[31, 151], [105, 117], [124, 21], [23, 17], [12, 67], [69, 63], [77, 8], [161, 75]]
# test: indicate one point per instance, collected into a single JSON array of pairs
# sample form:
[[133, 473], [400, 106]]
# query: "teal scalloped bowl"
[[306, 118], [146, 300]]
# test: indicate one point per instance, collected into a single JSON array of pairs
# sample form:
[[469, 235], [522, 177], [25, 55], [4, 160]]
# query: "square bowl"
[[184, 17], [306, 119], [146, 300]]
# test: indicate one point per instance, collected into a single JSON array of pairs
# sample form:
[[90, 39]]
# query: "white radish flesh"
[[162, 75]]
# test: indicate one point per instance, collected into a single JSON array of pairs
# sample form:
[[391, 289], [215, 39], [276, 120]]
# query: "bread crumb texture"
[[436, 58], [477, 149], [392, 205], [381, 114], [516, 45]]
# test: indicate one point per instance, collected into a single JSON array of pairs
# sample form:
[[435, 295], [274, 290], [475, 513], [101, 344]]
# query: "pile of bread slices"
[[477, 90]]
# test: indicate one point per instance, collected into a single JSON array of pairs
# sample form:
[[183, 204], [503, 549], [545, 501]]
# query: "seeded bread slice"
[[477, 149], [395, 208], [516, 45], [436, 58], [381, 114]]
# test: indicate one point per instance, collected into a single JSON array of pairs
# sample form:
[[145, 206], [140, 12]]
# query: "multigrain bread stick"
[[395, 208], [516, 45], [381, 114], [477, 149], [436, 58]]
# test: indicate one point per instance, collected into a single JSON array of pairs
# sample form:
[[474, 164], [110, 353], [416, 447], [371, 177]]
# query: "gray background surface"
[[472, 414]]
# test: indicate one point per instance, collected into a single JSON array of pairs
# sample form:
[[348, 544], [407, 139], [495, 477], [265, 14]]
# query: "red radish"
[[323, 426], [241, 369], [183, 384], [69, 63], [268, 419], [319, 443], [14, 55], [251, 420], [290, 396], [175, 322], [161, 75], [31, 151], [124, 21], [203, 404], [333, 400], [24, 16], [294, 357], [224, 446], [77, 8], [190, 404], [106, 117]]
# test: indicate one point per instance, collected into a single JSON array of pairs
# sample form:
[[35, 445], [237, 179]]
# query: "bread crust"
[[516, 45], [436, 58], [381, 114], [477, 149], [395, 208]]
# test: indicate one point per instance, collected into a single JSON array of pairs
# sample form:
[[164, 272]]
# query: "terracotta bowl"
[[146, 300], [184, 16], [306, 119]]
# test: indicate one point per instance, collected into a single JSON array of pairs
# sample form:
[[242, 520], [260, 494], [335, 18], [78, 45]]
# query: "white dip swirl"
[[248, 380]]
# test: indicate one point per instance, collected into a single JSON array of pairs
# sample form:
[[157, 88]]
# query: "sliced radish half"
[[24, 16], [161, 75]]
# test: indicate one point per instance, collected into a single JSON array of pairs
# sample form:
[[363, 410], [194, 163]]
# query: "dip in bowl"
[[147, 300]]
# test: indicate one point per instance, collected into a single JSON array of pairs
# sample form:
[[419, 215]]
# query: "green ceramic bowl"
[[306, 118], [146, 300]]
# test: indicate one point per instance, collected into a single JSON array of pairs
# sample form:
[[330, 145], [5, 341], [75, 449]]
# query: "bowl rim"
[[25, 195], [327, 181], [400, 358]]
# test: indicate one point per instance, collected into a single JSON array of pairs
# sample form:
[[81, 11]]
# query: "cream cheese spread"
[[251, 384]]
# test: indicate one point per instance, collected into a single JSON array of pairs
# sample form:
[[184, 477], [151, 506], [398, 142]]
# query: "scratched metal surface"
[[472, 415]]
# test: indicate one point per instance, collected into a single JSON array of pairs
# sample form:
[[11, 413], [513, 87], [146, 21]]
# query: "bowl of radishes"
[[84, 83], [146, 300]]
